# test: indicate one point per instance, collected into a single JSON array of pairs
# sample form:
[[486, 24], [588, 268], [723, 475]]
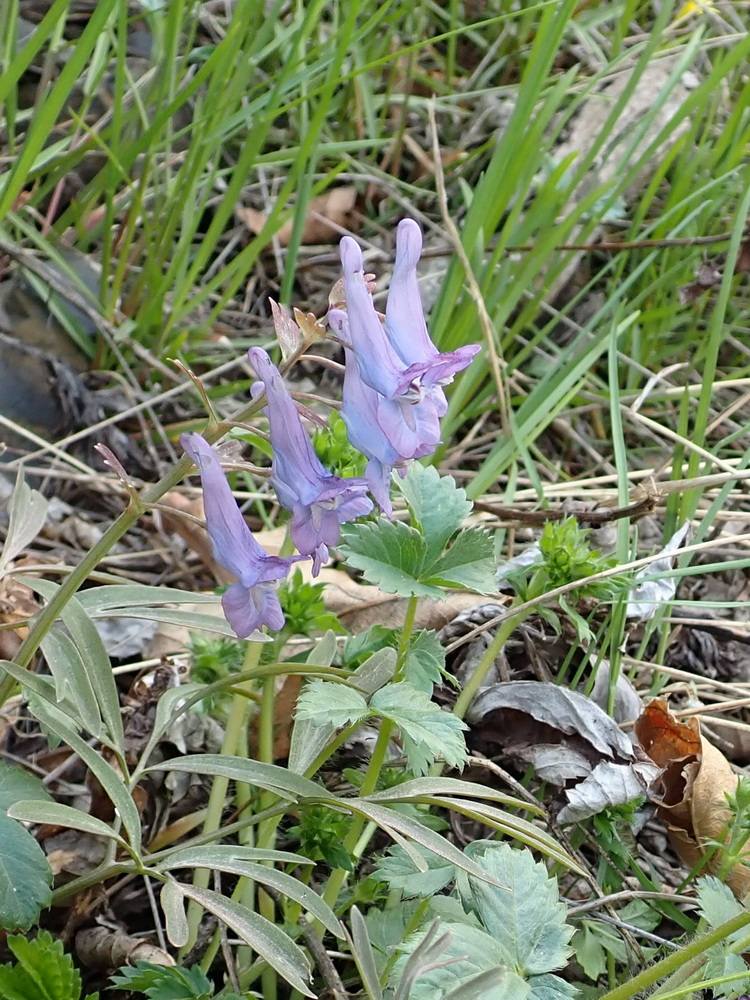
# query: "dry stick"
[[474, 289]]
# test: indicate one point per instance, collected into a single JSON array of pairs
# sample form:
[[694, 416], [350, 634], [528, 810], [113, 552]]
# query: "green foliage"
[[42, 971], [320, 833], [519, 931], [399, 871], [717, 905], [304, 608], [424, 663], [160, 982], [332, 447], [25, 875], [596, 942], [427, 732], [419, 560]]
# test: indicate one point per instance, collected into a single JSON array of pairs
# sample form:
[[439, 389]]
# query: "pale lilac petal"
[[252, 601], [320, 502], [379, 364], [404, 317], [250, 608]]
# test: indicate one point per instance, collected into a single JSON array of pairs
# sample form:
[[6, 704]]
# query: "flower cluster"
[[393, 400]]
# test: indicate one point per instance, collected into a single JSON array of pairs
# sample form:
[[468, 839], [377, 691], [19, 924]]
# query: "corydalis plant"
[[252, 601]]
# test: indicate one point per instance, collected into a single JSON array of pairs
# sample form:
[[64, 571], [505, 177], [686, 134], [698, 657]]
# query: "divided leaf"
[[42, 970], [329, 703], [468, 563], [437, 505], [391, 555], [527, 920], [427, 732], [398, 871]]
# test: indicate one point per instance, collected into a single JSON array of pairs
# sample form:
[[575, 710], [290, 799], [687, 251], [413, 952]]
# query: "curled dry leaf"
[[568, 740], [691, 791], [325, 216]]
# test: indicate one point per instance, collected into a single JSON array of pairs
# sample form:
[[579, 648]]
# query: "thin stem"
[[474, 682], [217, 797], [672, 962]]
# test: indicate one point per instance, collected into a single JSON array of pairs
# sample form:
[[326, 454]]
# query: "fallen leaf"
[[325, 216], [567, 738], [691, 791]]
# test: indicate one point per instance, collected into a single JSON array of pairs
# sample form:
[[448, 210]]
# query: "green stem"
[[232, 740], [674, 961], [379, 755], [474, 682]]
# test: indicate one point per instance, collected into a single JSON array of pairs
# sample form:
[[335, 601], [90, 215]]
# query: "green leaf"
[[163, 983], [72, 683], [34, 811], [268, 940], [43, 970], [17, 784], [309, 739], [427, 732], [468, 563], [589, 952], [280, 881], [26, 512], [549, 987], [527, 919], [110, 779], [437, 505], [255, 772], [325, 703], [363, 954], [172, 901], [390, 554], [474, 951], [25, 877], [425, 660], [398, 871]]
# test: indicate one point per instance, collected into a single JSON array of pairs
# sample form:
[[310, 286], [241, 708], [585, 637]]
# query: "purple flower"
[[252, 601], [360, 414], [320, 502], [398, 361]]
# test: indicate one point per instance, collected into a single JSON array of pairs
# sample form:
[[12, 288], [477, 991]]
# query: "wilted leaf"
[[563, 711], [608, 785], [650, 591], [325, 216], [691, 792]]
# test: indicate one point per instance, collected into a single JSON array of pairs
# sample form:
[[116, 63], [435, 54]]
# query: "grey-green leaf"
[[268, 940], [255, 772], [17, 784], [172, 900], [34, 811], [527, 919], [325, 703], [427, 732], [26, 513], [25, 877]]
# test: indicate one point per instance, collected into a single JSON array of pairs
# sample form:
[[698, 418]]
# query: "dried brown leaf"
[[691, 792], [326, 215]]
